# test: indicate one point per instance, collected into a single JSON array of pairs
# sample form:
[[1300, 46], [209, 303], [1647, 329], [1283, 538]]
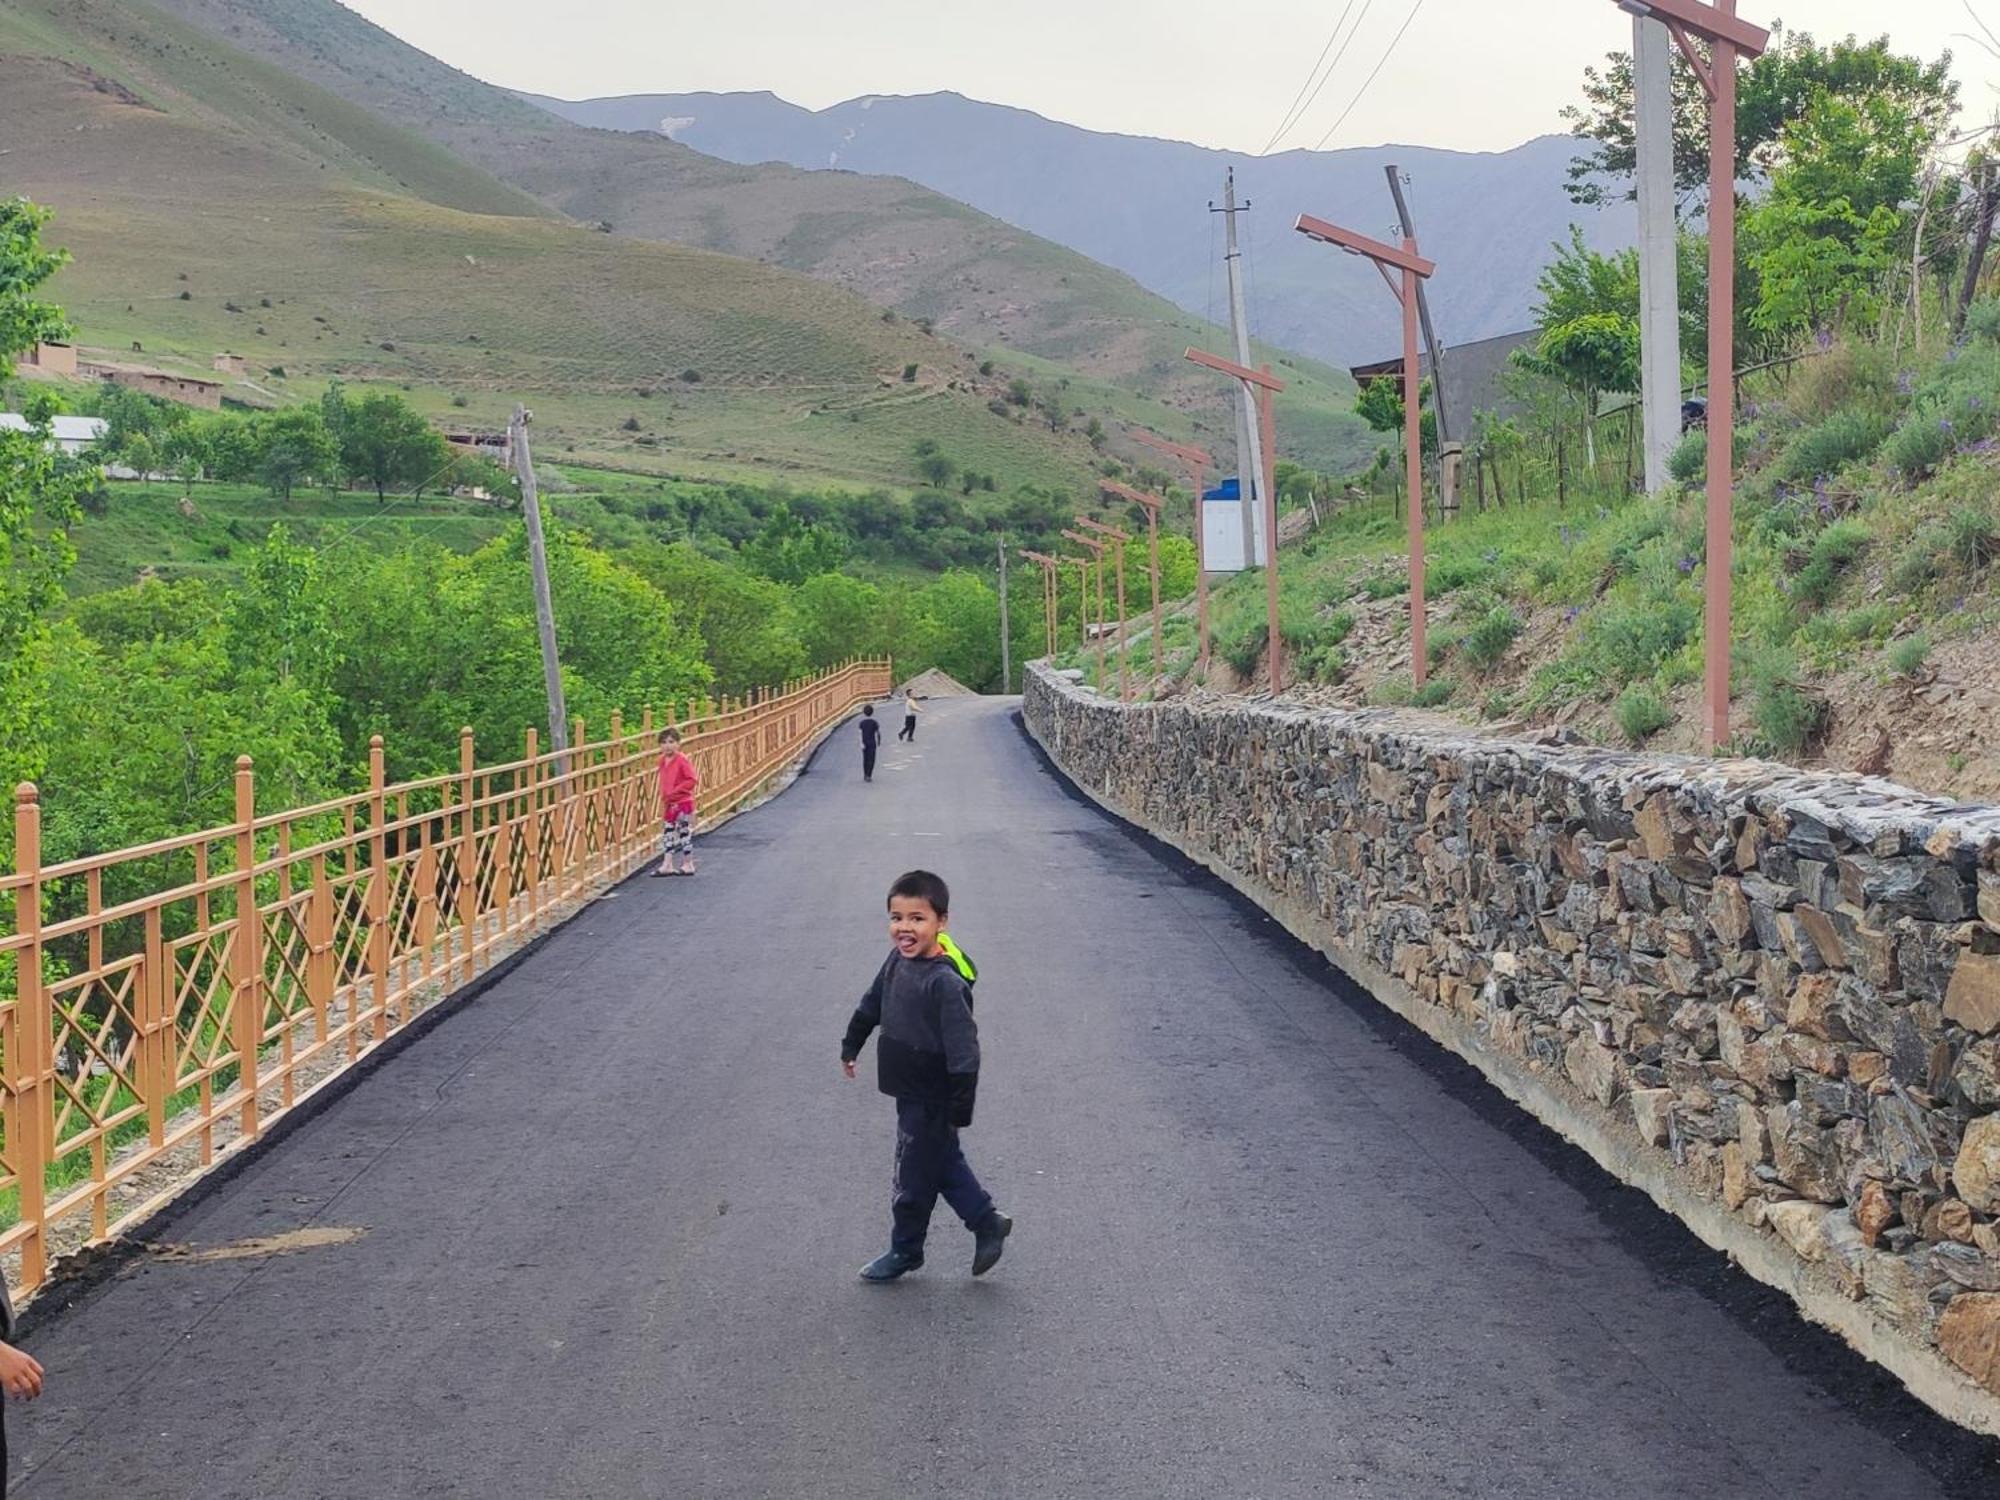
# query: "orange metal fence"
[[141, 1017]]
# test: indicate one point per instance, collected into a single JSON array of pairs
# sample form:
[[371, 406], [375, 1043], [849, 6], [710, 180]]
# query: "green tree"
[[839, 617], [936, 469], [40, 486], [387, 444], [746, 623], [1835, 217], [293, 448], [1593, 354], [1773, 91], [958, 629], [789, 551]]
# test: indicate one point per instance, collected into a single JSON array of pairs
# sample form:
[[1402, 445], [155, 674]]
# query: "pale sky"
[[1468, 74]]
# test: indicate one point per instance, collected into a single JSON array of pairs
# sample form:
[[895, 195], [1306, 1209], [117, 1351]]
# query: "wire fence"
[[147, 1028]]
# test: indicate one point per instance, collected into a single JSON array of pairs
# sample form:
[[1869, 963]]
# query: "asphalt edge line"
[[1934, 1392]]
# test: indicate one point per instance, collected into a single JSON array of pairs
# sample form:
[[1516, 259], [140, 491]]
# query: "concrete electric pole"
[[1006, 645], [1423, 309], [1249, 451], [538, 560], [1659, 268]]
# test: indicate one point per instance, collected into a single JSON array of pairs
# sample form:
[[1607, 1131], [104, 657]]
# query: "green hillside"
[[980, 281], [208, 209]]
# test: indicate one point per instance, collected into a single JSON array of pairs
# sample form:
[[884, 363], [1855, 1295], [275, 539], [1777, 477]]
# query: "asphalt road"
[[1269, 1242]]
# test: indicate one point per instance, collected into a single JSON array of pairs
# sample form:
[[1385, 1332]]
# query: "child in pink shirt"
[[678, 780]]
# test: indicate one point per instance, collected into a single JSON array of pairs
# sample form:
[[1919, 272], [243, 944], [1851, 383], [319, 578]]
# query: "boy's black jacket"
[[929, 1048]]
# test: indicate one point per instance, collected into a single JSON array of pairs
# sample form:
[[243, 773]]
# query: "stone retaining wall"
[[1768, 998]]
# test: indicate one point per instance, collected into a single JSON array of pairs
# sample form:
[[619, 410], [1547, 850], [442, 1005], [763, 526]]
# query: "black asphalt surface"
[[1269, 1242]]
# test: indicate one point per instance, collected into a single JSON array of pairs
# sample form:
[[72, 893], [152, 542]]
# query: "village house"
[[71, 434], [49, 360], [188, 390]]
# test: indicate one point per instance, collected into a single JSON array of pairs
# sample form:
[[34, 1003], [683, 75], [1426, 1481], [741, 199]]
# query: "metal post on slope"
[[538, 560], [1006, 646]]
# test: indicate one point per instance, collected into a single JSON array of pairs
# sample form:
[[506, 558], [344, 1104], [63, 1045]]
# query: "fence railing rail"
[[142, 1015]]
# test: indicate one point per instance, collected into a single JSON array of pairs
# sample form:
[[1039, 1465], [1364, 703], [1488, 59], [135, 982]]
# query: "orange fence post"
[[468, 857], [32, 1041], [378, 889], [246, 948], [531, 845], [156, 1029]]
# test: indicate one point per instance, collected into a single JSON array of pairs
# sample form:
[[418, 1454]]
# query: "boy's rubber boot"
[[988, 1241], [890, 1264]]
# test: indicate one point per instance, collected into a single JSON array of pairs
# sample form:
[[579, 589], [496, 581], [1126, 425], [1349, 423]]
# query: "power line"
[[1393, 41], [1300, 104]]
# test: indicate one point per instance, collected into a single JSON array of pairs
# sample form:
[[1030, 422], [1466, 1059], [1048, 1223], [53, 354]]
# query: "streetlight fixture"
[[1728, 37], [1263, 385], [1411, 267], [1151, 505], [1195, 462], [1097, 550], [1118, 539], [1048, 566]]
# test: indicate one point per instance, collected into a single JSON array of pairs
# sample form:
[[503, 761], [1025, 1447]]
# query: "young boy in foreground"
[[928, 1061]]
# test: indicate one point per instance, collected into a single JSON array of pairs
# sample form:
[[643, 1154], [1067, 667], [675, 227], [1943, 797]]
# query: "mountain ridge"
[[1113, 197]]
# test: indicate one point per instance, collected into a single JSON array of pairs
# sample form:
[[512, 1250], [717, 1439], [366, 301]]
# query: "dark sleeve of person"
[[867, 1015], [961, 1043]]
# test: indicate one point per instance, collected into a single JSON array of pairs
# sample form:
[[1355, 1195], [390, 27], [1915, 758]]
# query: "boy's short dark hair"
[[670, 733], [921, 885], [868, 710]]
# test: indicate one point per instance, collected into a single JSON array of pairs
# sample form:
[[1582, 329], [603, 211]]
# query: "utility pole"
[[1249, 456], [538, 560], [1423, 309], [1006, 645], [1659, 268]]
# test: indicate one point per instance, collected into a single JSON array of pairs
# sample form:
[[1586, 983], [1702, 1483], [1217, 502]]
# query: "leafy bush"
[[1338, 627], [1449, 573], [1919, 446], [1788, 716], [1842, 439], [1640, 714], [1385, 585], [1490, 636], [1325, 664], [1982, 321], [1834, 551], [1626, 642], [1689, 460], [1907, 656], [1434, 693], [1972, 534]]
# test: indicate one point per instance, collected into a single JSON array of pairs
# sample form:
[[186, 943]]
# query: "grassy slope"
[[1867, 598], [981, 281], [154, 179]]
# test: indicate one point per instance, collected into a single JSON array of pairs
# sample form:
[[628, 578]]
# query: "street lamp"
[[1048, 566], [1728, 37], [1118, 539], [1151, 505], [1403, 287], [1097, 549], [1263, 385], [1196, 462]]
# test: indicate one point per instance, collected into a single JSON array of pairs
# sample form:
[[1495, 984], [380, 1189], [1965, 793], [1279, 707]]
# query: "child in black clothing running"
[[928, 1060]]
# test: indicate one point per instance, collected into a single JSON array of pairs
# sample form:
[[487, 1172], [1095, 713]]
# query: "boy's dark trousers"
[[909, 727], [930, 1165], [867, 762]]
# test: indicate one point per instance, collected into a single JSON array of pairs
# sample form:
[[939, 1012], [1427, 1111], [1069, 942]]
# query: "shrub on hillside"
[[1490, 636], [1449, 573], [1789, 716], [1434, 693], [1385, 585], [1907, 656], [1689, 460], [1843, 438], [1625, 642], [1982, 321], [1916, 448], [1640, 714], [1834, 551], [1972, 533]]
